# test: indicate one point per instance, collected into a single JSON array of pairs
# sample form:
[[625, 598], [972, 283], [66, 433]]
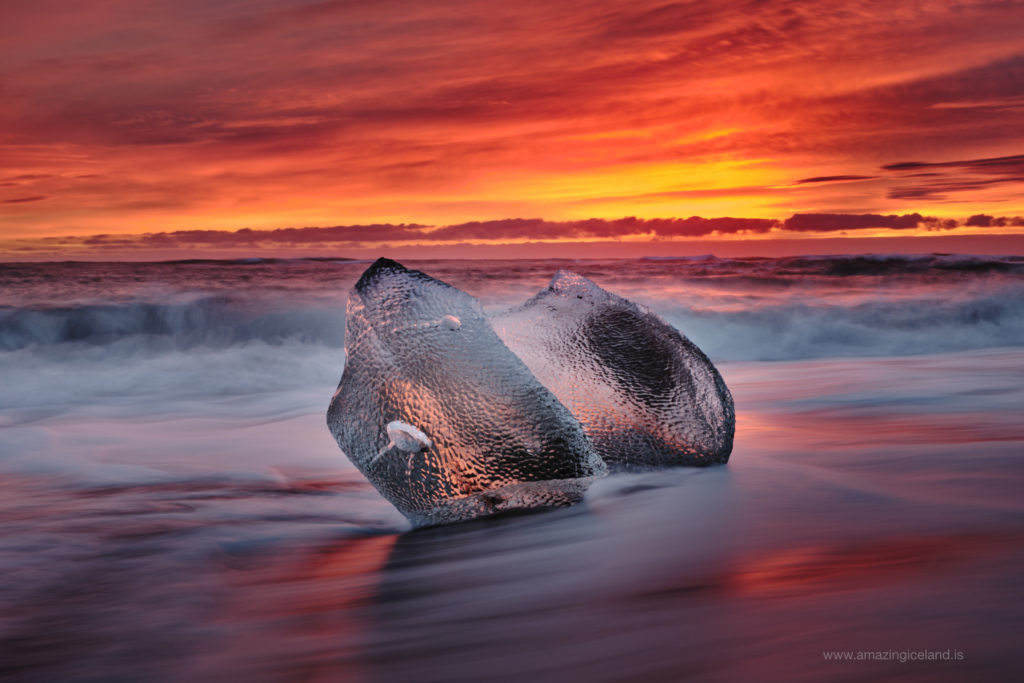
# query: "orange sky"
[[129, 125]]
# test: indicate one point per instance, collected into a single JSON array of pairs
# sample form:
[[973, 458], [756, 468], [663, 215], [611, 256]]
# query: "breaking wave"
[[213, 321], [870, 328], [735, 309]]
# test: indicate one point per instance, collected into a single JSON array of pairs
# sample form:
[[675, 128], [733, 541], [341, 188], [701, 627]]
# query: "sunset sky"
[[143, 129]]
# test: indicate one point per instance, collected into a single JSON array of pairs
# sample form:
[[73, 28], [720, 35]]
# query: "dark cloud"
[[524, 230], [1009, 165], [982, 220], [518, 229], [941, 188], [996, 80], [521, 231], [287, 236], [835, 178], [933, 223], [696, 226], [824, 222], [964, 175], [24, 200], [505, 230]]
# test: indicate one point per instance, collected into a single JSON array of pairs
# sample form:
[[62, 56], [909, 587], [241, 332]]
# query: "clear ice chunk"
[[644, 393], [440, 416]]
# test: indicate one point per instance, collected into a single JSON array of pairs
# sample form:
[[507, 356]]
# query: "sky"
[[144, 129]]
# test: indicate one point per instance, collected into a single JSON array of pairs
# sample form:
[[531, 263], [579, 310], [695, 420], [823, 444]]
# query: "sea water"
[[173, 507]]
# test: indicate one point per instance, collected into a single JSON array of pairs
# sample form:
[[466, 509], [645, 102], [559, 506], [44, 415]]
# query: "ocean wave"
[[735, 309], [212, 321], [869, 328], [790, 330], [896, 264], [836, 265]]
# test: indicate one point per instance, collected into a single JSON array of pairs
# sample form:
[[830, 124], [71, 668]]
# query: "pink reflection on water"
[[807, 570], [305, 609]]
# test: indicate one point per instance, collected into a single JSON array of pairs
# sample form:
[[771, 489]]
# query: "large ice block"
[[440, 416], [645, 394]]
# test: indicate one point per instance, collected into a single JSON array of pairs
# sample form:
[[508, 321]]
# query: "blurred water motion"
[[173, 508]]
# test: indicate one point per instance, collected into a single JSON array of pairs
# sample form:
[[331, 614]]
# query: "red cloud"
[[823, 222]]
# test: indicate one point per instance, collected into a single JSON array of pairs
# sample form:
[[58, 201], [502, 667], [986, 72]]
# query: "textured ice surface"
[[439, 415], [645, 394]]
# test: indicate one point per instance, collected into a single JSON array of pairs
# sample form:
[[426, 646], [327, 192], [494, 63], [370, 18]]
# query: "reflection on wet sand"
[[302, 614], [495, 601], [842, 523]]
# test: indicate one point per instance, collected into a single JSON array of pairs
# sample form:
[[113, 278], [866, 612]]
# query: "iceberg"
[[440, 416], [644, 393]]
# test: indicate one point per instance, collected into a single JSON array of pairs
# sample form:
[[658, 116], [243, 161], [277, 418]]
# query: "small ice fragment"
[[407, 438]]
